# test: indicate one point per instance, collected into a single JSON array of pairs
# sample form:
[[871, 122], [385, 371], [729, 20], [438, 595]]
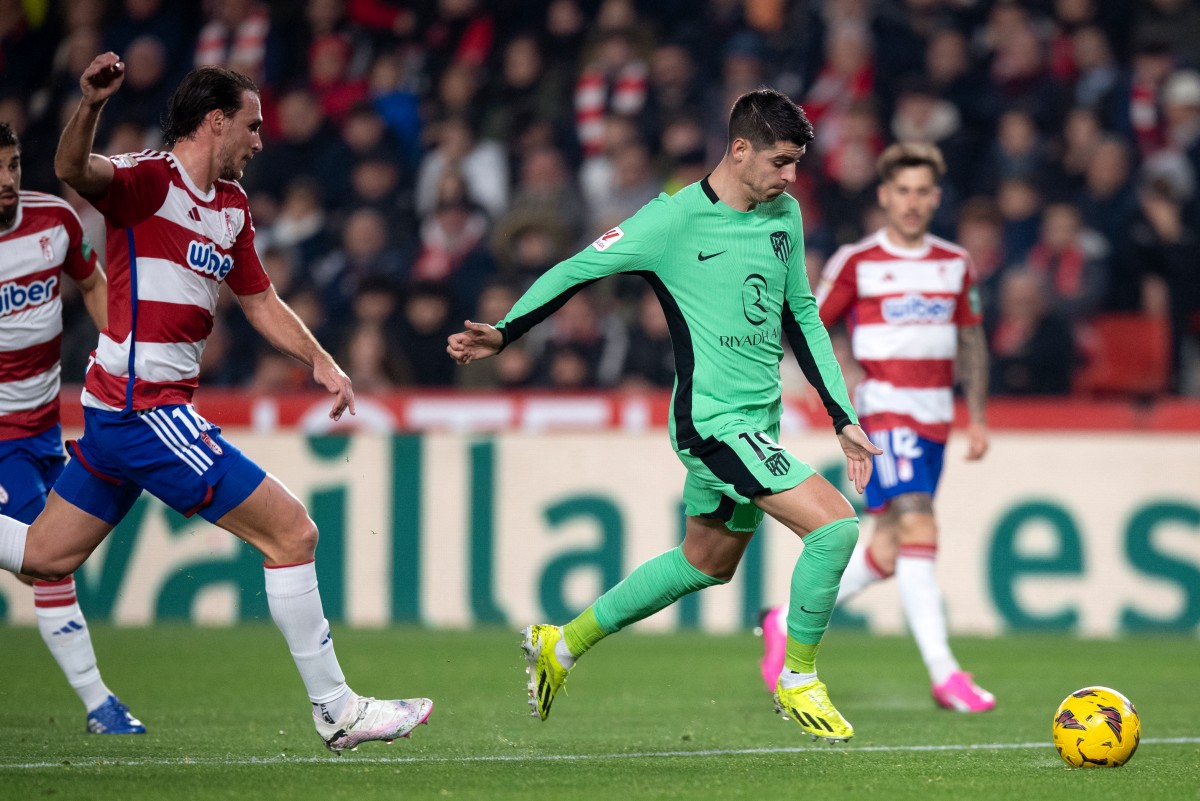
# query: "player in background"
[[178, 224], [913, 311], [725, 256], [41, 238]]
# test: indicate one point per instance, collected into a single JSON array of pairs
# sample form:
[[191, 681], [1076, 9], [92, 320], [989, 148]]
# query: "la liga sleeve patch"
[[608, 239]]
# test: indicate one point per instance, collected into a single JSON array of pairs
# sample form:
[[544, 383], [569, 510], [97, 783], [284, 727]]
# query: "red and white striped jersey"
[[170, 246], [45, 240], [903, 309]]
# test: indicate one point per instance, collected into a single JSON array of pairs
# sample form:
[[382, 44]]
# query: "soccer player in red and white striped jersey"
[[913, 314], [178, 226], [41, 239]]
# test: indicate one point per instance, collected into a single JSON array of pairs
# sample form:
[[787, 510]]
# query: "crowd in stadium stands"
[[425, 161]]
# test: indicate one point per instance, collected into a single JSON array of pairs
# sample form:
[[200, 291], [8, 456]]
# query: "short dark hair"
[[911, 154], [8, 136], [766, 116], [202, 90]]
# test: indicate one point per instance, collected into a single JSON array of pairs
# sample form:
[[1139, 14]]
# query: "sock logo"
[[328, 638], [70, 628], [325, 715], [811, 612]]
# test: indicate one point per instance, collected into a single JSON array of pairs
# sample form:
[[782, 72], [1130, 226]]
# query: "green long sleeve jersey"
[[731, 284]]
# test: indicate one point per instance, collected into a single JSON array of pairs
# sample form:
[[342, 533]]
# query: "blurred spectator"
[[461, 33], [170, 23], [634, 184], [1020, 205], [1174, 22], [365, 254], [1098, 78], [371, 361], [1153, 62], [1081, 136], [673, 89], [27, 43], [682, 149], [1033, 352], [650, 360], [1019, 71], [452, 239], [482, 163], [146, 89], [1107, 205], [582, 347], [1181, 111], [305, 139], [523, 91], [393, 91], [301, 224], [330, 77], [1169, 249], [613, 82], [847, 75], [1017, 152], [980, 232], [237, 35], [1073, 261], [845, 201], [425, 323]]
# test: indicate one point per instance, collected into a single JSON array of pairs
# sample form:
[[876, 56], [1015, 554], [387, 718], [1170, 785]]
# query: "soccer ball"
[[1096, 727]]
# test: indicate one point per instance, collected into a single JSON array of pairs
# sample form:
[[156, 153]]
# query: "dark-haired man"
[[178, 226], [41, 239], [725, 256]]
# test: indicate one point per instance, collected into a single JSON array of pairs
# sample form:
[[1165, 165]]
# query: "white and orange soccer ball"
[[1096, 727]]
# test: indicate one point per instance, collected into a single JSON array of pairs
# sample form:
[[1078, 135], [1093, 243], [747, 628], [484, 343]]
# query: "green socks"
[[815, 587], [653, 585]]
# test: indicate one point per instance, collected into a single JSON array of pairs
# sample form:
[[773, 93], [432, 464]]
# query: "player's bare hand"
[[102, 78], [858, 450], [478, 341], [327, 373], [977, 441]]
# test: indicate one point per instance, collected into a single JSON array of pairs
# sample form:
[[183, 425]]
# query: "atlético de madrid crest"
[[782, 245]]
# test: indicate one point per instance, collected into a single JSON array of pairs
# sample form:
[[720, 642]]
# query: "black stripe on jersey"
[[708, 191], [516, 328], [726, 465], [808, 364], [686, 434]]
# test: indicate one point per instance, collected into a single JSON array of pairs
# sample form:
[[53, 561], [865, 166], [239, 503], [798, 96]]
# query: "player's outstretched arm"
[[478, 341], [280, 326], [858, 450], [74, 162]]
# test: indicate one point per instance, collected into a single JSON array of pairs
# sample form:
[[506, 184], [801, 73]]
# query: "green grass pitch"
[[647, 717]]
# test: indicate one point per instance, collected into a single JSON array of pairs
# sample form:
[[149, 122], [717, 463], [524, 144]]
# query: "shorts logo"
[[205, 259], [778, 464], [211, 443], [3, 495], [47, 249], [754, 299], [782, 245], [608, 239]]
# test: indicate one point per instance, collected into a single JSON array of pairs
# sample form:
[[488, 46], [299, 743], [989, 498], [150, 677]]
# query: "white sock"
[[789, 678], [65, 632], [12, 544], [565, 657], [860, 573], [295, 605], [922, 599]]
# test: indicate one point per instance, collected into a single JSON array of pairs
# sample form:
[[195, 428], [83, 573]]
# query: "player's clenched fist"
[[102, 78]]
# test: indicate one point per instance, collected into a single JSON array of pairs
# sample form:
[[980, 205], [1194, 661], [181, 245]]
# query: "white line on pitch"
[[92, 762]]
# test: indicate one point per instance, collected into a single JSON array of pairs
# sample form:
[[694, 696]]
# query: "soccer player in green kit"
[[726, 259]]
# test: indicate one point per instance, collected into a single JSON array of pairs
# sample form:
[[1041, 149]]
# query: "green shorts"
[[726, 471]]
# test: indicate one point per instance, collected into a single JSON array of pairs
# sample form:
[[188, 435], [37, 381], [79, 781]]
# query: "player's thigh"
[[275, 522], [808, 506], [712, 548], [915, 522], [61, 538]]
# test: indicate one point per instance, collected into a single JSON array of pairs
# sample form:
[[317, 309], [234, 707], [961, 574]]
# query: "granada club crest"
[[782, 245], [47, 249], [211, 443]]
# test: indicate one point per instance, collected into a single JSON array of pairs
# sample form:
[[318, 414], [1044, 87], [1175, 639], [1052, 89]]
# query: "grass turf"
[[648, 717]]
